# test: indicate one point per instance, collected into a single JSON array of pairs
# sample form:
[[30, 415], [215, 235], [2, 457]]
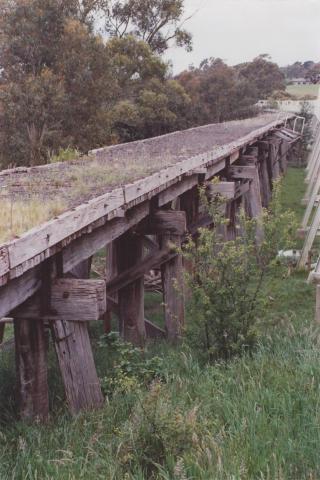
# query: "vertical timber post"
[[189, 203], [111, 271], [75, 357], [131, 298], [2, 327], [173, 290], [31, 366]]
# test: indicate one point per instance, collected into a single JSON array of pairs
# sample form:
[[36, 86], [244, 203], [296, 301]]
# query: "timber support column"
[[129, 252], [264, 173], [170, 227], [173, 290], [31, 366], [111, 272], [274, 153], [253, 196], [75, 302]]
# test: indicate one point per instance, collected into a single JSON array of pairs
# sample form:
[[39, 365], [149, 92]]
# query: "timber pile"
[[45, 274]]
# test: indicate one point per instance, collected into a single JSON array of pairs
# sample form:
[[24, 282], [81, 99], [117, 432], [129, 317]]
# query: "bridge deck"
[[103, 204], [55, 188]]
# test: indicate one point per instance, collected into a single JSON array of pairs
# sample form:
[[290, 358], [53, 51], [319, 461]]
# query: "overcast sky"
[[239, 30]]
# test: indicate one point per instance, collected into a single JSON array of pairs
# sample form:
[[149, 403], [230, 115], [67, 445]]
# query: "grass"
[[16, 217], [257, 417], [300, 91]]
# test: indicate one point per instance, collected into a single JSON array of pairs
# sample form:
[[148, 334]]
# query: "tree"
[[264, 75], [217, 92], [62, 85], [157, 22]]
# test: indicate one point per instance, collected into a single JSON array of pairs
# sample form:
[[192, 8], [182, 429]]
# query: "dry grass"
[[16, 217]]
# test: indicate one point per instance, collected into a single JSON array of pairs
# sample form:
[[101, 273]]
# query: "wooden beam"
[[242, 188], [242, 172], [81, 382], [139, 269], [71, 300], [177, 189], [2, 327], [43, 241], [173, 290], [31, 367], [87, 245], [131, 294], [153, 331], [20, 289], [111, 273], [164, 221], [226, 190], [76, 362]]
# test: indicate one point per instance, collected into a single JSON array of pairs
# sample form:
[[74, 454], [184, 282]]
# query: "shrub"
[[227, 277], [131, 369], [159, 433]]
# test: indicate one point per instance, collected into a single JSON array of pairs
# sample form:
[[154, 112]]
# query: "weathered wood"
[[132, 274], [214, 169], [31, 366], [2, 327], [111, 273], [81, 382], [24, 252], [153, 331], [241, 189], [43, 237], [90, 243], [264, 178], [4, 261], [243, 172], [311, 234], [226, 190], [231, 232], [71, 300], [19, 290], [131, 297], [177, 189], [173, 290], [164, 222], [274, 145]]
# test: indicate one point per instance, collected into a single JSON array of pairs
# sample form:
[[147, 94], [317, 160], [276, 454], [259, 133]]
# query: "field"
[[254, 418], [300, 91]]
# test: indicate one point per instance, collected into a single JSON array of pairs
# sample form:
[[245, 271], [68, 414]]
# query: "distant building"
[[300, 81]]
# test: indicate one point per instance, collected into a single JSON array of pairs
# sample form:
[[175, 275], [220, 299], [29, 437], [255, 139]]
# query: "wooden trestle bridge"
[[45, 279]]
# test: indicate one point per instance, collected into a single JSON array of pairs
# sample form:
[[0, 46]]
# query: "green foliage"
[[263, 74], [156, 22], [218, 93], [131, 368], [65, 155], [159, 432], [226, 282]]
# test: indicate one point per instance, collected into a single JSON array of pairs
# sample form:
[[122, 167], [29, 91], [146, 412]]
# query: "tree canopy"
[[64, 85]]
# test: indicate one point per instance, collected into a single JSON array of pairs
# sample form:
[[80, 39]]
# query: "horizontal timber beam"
[[164, 221], [224, 189], [71, 300], [148, 263], [247, 172]]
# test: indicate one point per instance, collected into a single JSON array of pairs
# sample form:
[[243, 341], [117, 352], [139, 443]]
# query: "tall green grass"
[[257, 417]]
